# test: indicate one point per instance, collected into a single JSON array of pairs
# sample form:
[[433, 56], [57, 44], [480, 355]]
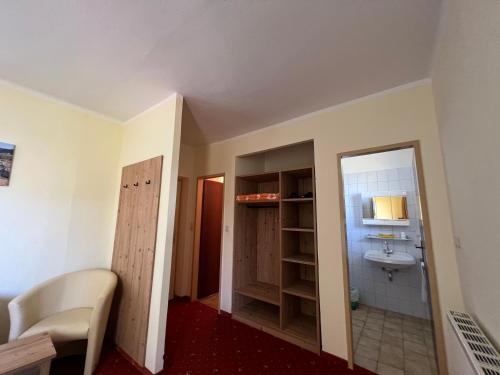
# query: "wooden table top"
[[26, 353]]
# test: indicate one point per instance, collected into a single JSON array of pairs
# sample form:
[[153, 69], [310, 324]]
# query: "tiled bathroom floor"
[[389, 343]]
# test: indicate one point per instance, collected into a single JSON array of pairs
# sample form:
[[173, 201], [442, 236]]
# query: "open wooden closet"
[[275, 279]]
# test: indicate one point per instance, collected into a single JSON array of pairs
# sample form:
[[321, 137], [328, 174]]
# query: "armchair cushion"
[[64, 326]]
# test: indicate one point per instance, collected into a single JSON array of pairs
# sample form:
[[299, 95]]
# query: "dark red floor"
[[201, 342]]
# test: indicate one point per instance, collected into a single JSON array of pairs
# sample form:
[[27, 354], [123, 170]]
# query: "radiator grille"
[[481, 352]]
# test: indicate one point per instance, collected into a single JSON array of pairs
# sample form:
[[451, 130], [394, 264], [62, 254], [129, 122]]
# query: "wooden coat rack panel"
[[134, 253]]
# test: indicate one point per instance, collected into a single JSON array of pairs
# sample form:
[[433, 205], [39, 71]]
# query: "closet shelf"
[[262, 291], [261, 203], [302, 288], [303, 327], [299, 229], [297, 200], [301, 259], [259, 313]]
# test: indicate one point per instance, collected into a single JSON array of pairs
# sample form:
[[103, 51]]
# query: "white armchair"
[[70, 307]]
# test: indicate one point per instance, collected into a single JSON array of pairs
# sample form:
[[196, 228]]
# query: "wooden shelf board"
[[259, 313], [262, 291], [298, 229], [303, 327], [301, 259], [297, 200], [302, 288]]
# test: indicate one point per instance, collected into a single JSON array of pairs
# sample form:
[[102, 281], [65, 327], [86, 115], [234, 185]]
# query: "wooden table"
[[28, 353]]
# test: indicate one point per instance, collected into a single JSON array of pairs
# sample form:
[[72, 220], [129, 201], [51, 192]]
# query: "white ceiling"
[[240, 64]]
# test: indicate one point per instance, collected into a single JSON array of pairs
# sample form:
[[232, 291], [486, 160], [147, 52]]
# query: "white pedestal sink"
[[394, 261]]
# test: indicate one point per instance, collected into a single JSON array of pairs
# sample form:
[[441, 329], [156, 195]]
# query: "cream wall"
[[466, 83], [57, 214], [153, 133], [398, 115]]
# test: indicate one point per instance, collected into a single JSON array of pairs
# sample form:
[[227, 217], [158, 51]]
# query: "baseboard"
[[141, 369]]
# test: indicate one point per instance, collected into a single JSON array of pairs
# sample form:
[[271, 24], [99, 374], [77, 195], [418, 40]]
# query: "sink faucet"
[[387, 250]]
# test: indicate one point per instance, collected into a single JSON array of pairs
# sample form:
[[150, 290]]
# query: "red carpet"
[[201, 342]]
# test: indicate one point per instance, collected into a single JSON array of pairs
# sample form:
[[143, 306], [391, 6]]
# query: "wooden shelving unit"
[[275, 262]]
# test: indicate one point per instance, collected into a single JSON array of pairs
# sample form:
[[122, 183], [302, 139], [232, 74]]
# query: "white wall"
[[153, 133], [57, 214], [397, 115], [466, 83]]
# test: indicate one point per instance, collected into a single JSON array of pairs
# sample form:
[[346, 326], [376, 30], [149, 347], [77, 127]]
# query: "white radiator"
[[471, 351]]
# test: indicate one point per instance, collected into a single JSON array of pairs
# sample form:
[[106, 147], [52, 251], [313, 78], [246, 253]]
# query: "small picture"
[[6, 158]]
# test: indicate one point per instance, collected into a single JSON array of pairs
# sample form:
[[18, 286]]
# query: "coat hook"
[[148, 182], [125, 186], [136, 184]]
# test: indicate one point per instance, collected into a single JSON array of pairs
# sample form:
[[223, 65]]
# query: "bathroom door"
[[423, 261]]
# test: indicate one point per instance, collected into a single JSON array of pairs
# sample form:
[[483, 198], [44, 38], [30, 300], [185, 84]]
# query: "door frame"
[[197, 235], [431, 269], [181, 192]]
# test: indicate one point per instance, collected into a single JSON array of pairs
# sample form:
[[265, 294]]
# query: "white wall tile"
[[394, 185], [383, 186], [382, 175], [406, 185], [363, 187], [371, 177], [405, 173], [372, 186], [392, 175]]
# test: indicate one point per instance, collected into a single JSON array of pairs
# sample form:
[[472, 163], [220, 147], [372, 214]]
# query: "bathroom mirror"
[[390, 209]]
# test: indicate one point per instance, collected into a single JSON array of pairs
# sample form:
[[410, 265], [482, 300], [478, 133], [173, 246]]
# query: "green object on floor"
[[354, 305]]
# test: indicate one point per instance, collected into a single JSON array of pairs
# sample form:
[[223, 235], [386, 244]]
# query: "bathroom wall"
[[403, 294]]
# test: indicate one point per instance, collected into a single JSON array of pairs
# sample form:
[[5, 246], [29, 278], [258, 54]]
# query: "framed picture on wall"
[[6, 159]]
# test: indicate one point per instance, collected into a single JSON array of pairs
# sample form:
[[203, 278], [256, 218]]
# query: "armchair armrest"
[[34, 305], [98, 324], [24, 311]]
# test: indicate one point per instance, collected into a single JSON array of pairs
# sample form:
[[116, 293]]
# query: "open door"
[[210, 238]]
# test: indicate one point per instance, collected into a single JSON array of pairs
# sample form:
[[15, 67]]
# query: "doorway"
[[391, 299], [208, 240]]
